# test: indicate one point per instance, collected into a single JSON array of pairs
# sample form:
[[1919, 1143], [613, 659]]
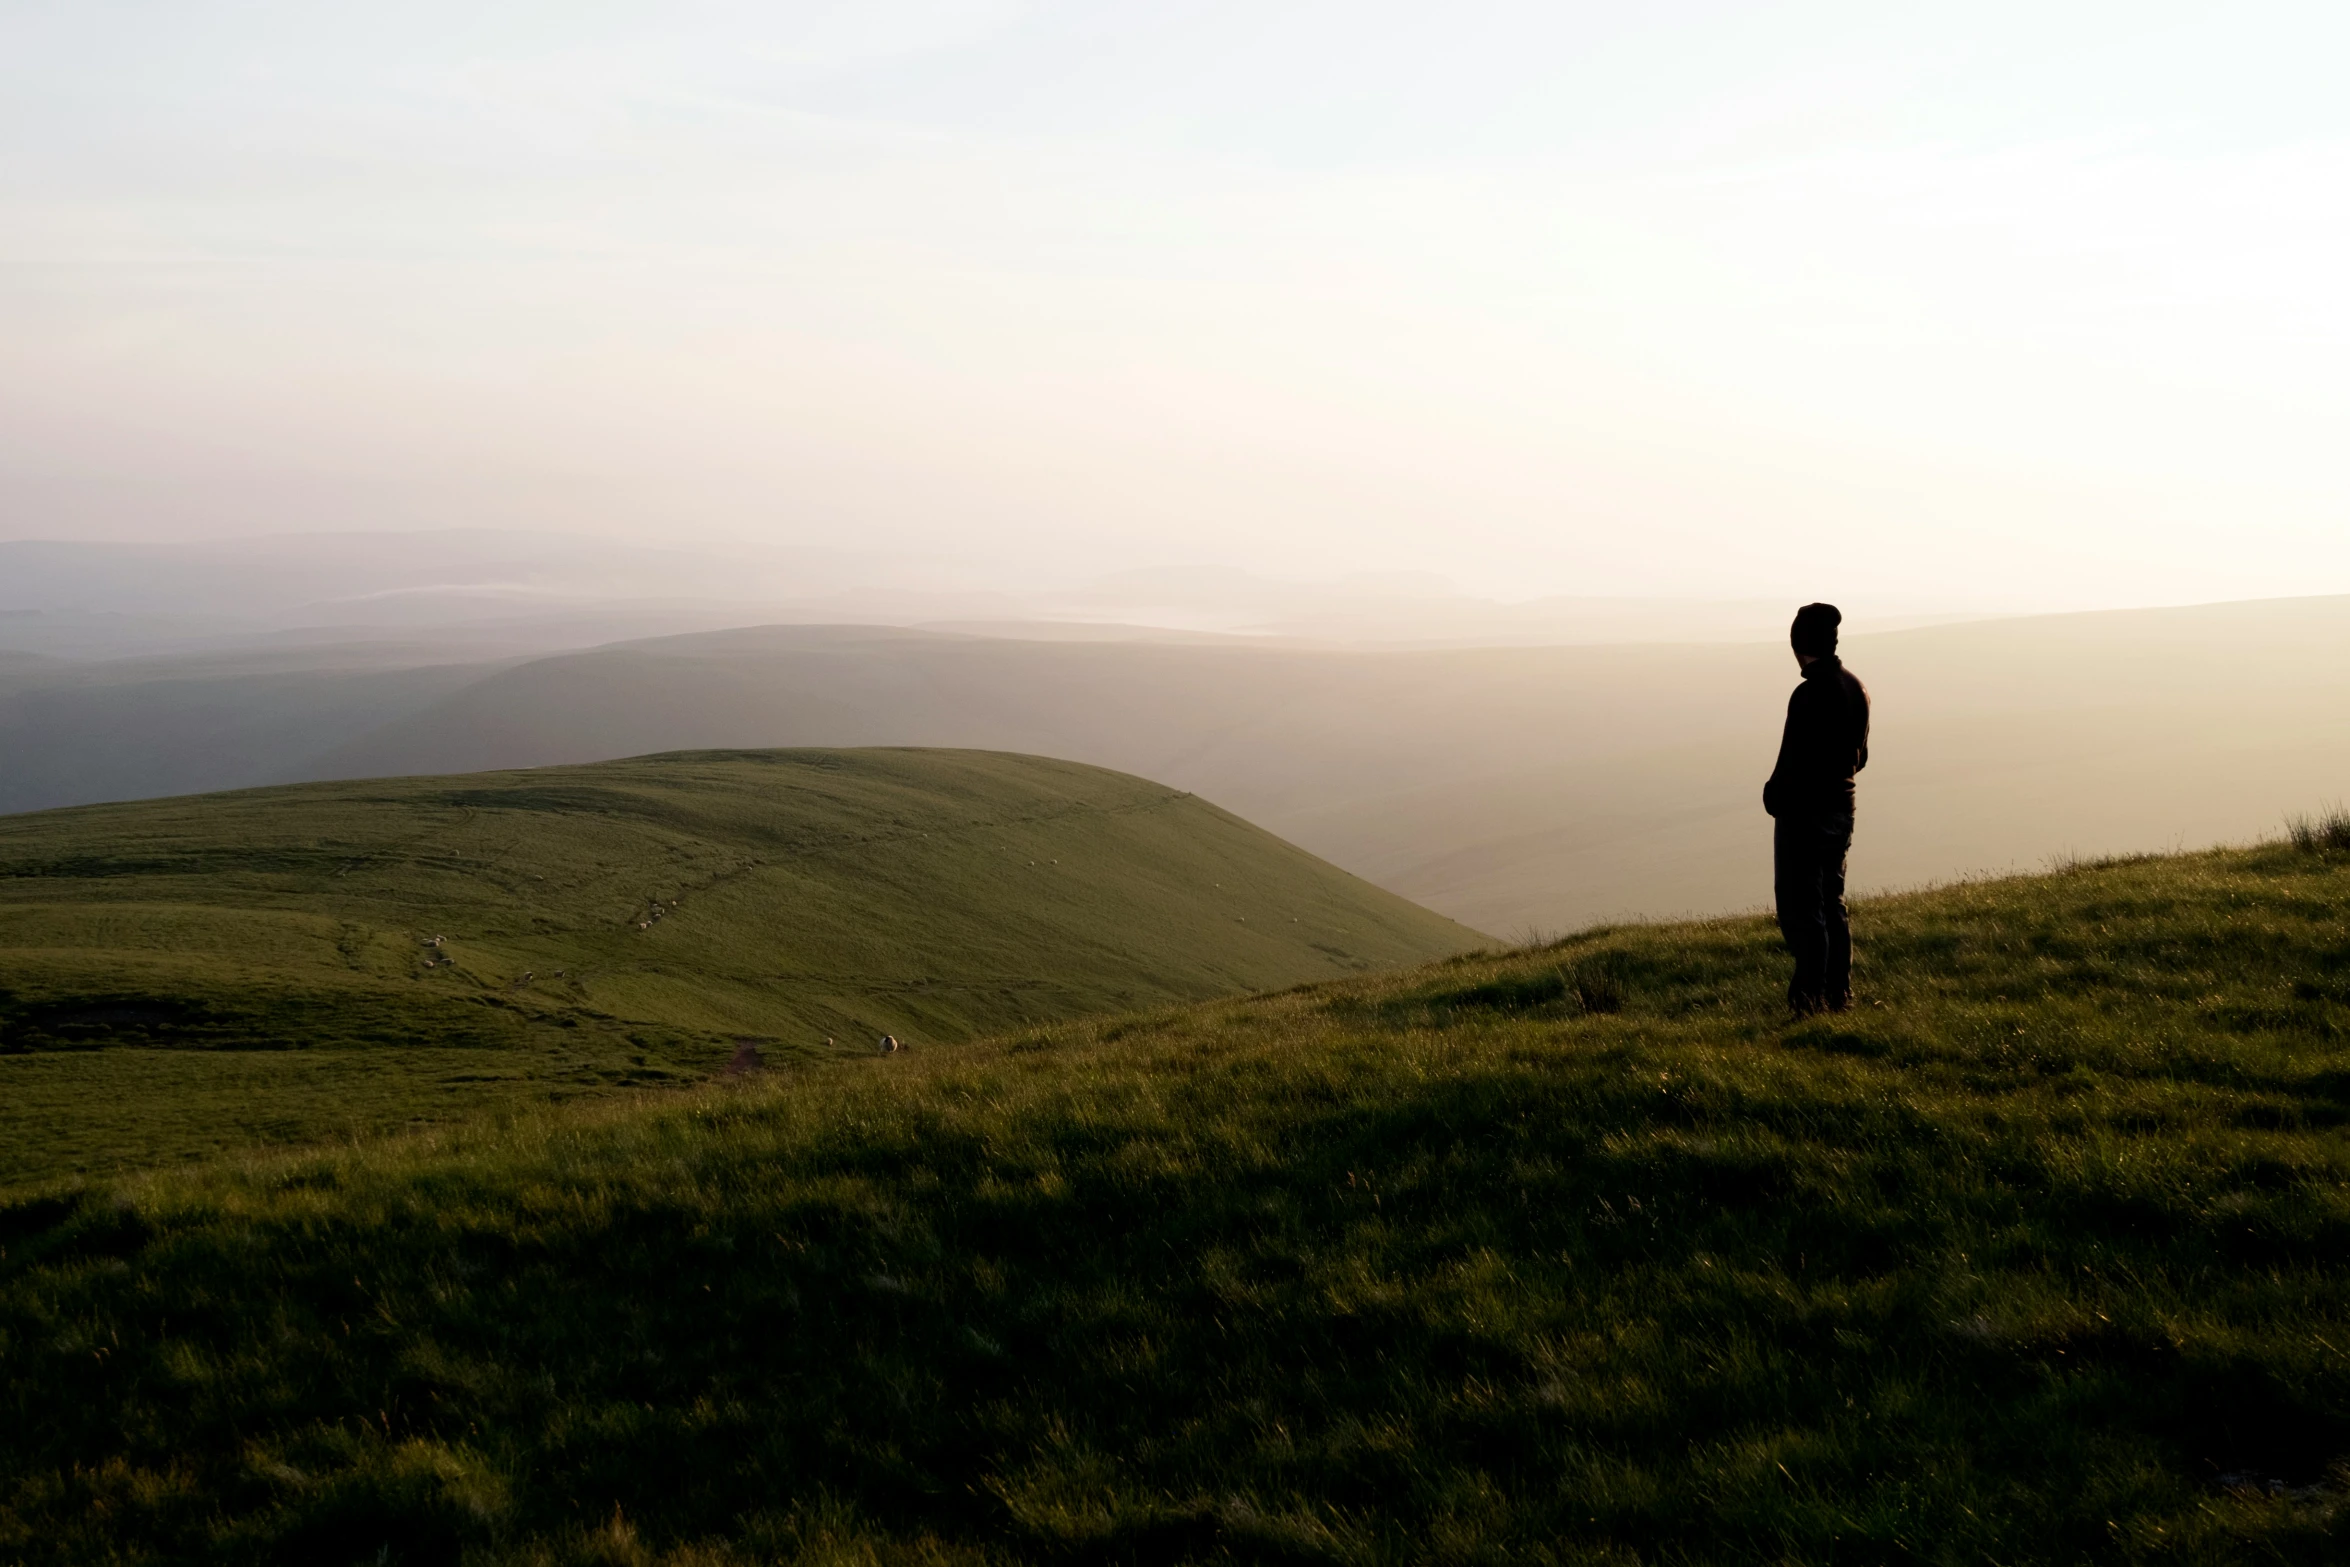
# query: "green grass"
[[608, 927], [1581, 1254]]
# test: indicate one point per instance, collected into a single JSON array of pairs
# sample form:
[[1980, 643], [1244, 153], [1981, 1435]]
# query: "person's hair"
[[1814, 631]]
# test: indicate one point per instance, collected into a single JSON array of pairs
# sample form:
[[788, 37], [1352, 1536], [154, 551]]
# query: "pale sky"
[[2012, 305]]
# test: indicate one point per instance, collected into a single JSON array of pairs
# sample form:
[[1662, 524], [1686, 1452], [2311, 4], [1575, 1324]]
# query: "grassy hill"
[[1580, 1254], [184, 975]]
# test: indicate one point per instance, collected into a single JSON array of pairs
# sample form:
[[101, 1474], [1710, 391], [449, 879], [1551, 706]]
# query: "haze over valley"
[[1613, 773]]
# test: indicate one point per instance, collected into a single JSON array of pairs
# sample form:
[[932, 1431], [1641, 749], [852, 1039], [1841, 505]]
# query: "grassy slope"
[[934, 895], [2015, 1264]]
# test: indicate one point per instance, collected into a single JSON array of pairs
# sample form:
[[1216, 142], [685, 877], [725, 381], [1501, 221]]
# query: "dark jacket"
[[1826, 742]]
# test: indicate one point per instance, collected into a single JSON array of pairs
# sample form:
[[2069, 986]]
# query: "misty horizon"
[[120, 597], [1968, 310]]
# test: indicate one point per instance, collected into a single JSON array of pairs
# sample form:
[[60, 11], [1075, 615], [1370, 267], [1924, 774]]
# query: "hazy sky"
[[2031, 305]]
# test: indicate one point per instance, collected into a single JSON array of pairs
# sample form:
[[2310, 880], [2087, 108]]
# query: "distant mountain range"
[[488, 592]]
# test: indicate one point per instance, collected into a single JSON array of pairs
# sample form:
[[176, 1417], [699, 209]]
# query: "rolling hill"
[[1508, 787], [1518, 788], [293, 961], [1578, 1254]]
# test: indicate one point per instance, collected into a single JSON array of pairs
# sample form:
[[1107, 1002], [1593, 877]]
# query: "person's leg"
[[1796, 885], [1835, 920]]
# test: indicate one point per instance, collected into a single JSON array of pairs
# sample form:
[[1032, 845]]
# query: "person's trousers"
[[1808, 879]]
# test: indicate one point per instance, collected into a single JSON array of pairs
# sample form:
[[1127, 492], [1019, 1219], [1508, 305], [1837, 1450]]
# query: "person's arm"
[[1775, 785], [1860, 706]]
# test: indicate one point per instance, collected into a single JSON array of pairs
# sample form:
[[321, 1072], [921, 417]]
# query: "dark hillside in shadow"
[[1579, 1254]]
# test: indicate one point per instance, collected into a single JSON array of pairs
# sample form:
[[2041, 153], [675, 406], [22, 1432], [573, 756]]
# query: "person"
[[1810, 799]]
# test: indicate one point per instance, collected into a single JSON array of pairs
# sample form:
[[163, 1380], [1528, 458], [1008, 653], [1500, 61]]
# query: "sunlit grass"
[[298, 964]]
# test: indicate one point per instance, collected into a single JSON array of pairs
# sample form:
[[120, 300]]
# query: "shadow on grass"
[[1502, 1303]]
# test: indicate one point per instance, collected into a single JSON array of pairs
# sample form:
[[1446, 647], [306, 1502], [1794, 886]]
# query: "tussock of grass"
[[2037, 1257], [2320, 831]]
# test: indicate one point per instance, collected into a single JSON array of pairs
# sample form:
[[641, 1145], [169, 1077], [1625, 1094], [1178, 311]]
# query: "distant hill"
[[1584, 1254], [372, 950], [1509, 787], [76, 732], [1519, 788]]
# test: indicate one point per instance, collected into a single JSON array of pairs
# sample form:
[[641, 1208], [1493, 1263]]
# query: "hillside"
[[179, 975], [1581, 1254]]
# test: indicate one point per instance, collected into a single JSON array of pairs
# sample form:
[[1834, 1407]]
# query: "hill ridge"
[[622, 923]]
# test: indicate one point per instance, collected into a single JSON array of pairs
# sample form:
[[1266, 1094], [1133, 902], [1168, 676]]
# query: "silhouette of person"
[[1810, 799]]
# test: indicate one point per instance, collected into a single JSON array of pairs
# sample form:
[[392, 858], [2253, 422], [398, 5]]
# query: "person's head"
[[1814, 633]]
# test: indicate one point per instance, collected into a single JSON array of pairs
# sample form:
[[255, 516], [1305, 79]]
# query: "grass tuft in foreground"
[[2041, 1256], [2320, 831]]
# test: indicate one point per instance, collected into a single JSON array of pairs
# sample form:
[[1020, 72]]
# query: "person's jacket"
[[1826, 741]]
